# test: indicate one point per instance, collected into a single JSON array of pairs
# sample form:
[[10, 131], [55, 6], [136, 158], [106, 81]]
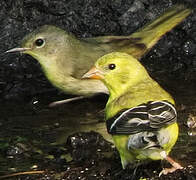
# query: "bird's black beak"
[[17, 50]]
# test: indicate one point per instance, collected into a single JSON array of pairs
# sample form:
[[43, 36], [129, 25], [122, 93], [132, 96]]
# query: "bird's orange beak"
[[93, 73]]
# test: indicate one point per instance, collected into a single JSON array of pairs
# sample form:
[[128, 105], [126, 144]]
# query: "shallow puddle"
[[34, 137]]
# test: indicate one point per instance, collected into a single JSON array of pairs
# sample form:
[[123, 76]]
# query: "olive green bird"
[[140, 115], [64, 58]]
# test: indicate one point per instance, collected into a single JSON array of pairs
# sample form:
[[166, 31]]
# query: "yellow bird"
[[140, 115]]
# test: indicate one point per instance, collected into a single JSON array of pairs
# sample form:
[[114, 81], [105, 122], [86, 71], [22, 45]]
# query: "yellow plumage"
[[140, 114]]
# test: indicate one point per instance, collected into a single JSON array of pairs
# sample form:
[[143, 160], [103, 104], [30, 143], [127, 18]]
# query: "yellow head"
[[118, 71]]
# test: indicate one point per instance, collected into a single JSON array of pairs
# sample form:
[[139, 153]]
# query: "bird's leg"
[[55, 103], [174, 164]]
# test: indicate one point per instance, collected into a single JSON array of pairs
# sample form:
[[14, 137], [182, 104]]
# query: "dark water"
[[33, 136]]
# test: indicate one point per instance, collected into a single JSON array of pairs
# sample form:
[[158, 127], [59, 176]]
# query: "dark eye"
[[111, 66], [39, 42]]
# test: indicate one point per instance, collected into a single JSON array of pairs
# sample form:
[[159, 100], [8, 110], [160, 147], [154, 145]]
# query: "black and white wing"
[[145, 117]]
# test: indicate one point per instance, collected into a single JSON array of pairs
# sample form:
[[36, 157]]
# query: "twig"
[[21, 173]]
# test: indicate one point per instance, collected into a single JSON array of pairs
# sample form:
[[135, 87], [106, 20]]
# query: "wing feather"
[[145, 117]]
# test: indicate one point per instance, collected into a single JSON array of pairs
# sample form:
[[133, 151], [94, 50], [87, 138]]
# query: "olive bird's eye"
[[111, 66], [39, 42]]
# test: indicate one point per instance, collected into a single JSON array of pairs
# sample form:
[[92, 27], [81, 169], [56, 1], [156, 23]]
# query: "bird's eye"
[[39, 42], [111, 66]]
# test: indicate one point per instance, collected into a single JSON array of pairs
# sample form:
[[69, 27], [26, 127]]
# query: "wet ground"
[[52, 143]]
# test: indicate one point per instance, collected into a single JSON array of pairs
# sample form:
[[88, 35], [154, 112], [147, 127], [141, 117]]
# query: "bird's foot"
[[165, 171], [55, 103], [174, 164]]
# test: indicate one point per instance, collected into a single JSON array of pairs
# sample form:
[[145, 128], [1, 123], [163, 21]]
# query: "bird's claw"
[[170, 170]]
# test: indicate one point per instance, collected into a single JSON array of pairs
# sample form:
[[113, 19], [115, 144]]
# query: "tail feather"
[[141, 41], [148, 36]]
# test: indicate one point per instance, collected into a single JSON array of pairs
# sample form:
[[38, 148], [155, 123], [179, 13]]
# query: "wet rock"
[[190, 47], [15, 150], [137, 12], [191, 122], [85, 146]]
